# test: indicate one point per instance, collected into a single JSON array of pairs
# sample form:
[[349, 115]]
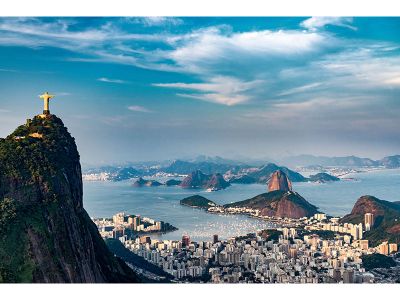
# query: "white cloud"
[[363, 68], [9, 70], [316, 23], [160, 21], [199, 51], [138, 108], [194, 52], [300, 89], [36, 33], [62, 94], [230, 67], [108, 80], [228, 100], [220, 89]]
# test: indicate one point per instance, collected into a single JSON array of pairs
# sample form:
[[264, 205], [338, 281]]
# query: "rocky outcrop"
[[198, 179], [46, 234], [386, 218], [279, 182], [216, 182], [280, 204]]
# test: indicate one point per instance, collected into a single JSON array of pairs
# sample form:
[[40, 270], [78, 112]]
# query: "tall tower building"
[[368, 221], [383, 248]]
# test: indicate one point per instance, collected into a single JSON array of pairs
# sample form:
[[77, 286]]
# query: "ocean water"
[[103, 199]]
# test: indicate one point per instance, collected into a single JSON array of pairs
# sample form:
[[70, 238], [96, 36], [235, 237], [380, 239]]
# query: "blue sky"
[[133, 89]]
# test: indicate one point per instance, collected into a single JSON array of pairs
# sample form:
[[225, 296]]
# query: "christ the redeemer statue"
[[46, 97]]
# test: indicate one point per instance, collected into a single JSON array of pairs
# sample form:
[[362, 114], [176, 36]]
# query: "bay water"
[[104, 199]]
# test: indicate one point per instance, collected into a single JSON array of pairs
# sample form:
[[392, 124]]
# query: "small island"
[[173, 182], [143, 182], [323, 177], [198, 201]]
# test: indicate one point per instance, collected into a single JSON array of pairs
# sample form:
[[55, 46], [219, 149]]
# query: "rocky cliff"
[[46, 234], [279, 182]]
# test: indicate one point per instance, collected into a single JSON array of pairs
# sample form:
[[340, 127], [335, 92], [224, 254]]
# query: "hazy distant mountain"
[[263, 174], [186, 167], [391, 161], [235, 171], [345, 161], [215, 159]]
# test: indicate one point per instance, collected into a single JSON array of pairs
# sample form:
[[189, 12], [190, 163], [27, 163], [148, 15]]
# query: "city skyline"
[[133, 89]]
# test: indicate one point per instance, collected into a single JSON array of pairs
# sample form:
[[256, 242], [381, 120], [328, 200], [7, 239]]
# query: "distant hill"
[[198, 179], [242, 179], [391, 162], [186, 167], [262, 175], [279, 204], [216, 159], [387, 218], [323, 177], [343, 161], [197, 201]]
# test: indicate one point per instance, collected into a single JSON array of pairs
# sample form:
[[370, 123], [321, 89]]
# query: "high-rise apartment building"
[[368, 221]]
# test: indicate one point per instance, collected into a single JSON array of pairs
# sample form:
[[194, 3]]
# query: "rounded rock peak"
[[279, 182]]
